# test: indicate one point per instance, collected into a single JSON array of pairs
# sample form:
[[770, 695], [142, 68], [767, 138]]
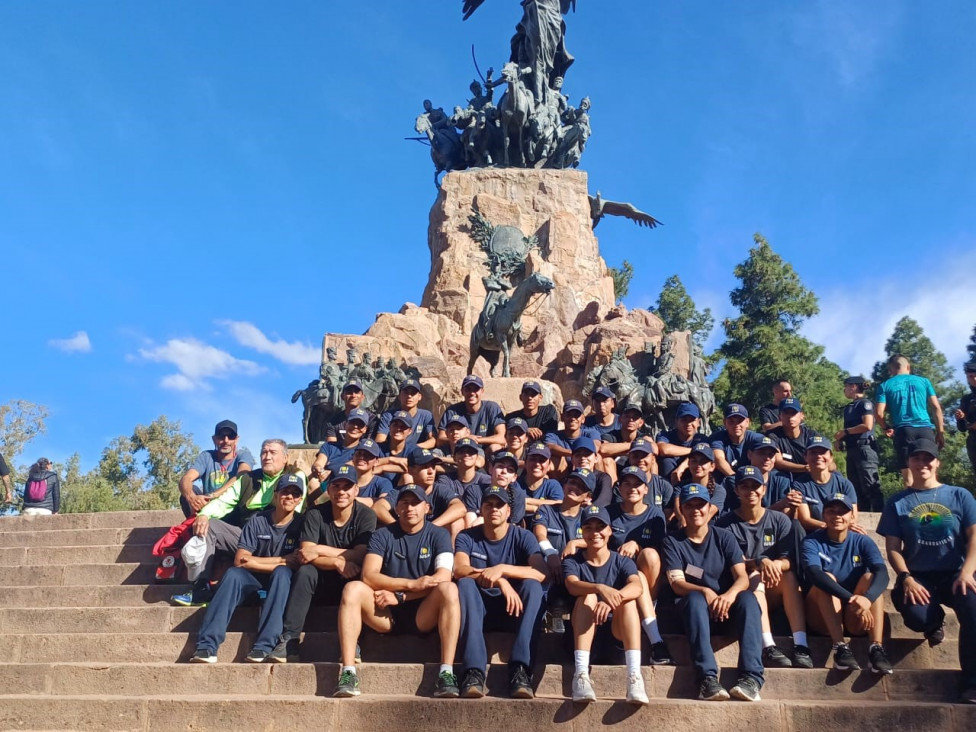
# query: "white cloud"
[[296, 354], [78, 343], [197, 363]]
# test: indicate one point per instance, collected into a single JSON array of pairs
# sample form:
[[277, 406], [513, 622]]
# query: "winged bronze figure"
[[600, 208]]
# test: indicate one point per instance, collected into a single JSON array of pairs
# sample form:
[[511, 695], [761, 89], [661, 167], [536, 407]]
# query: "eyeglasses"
[[227, 436]]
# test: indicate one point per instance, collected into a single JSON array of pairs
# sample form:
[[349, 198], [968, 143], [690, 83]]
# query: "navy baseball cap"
[[642, 444], [371, 447], [925, 445], [410, 384], [345, 472], [736, 410], [289, 481], [818, 442], [358, 415], [412, 490], [595, 513], [402, 416], [505, 455], [533, 386], [632, 407], [353, 384], [422, 456], [225, 424], [747, 473], [791, 403], [573, 405], [763, 442], [703, 448], [455, 418], [583, 443], [498, 492], [585, 476], [969, 367], [517, 422], [603, 392], [841, 498], [691, 491], [472, 379], [539, 448], [634, 471], [467, 442], [686, 409]]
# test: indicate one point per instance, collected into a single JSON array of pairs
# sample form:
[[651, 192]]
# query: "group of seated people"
[[484, 521]]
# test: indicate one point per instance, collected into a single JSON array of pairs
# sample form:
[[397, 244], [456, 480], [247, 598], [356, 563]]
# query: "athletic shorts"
[[905, 437]]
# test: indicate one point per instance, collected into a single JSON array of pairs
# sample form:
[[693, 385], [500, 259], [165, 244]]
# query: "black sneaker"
[[256, 656], [348, 685], [936, 636], [968, 696], [802, 657], [286, 651], [773, 657], [472, 683], [711, 690], [520, 682], [446, 686], [203, 656], [659, 655], [746, 689], [844, 658], [878, 660]]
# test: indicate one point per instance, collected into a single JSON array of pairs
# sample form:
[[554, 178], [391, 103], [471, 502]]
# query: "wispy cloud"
[[78, 343], [296, 353], [197, 363]]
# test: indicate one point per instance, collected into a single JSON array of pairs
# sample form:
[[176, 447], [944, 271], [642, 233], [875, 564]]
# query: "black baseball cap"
[[473, 379], [924, 444], [410, 384], [422, 456], [225, 424], [412, 490], [533, 386]]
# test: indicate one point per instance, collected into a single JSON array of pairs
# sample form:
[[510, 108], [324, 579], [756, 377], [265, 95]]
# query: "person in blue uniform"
[[467, 480], [707, 573], [731, 442], [585, 455], [561, 441], [499, 571], [606, 586], [541, 418], [701, 470], [446, 509], [857, 441], [423, 433], [539, 488], [848, 578], [674, 446], [502, 472], [406, 587], [660, 492], [820, 485], [484, 417], [333, 454], [365, 465], [603, 417], [930, 538], [517, 437]]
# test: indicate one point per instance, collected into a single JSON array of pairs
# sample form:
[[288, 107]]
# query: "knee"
[[306, 573], [354, 592], [531, 589], [447, 591], [649, 559], [467, 588], [695, 603]]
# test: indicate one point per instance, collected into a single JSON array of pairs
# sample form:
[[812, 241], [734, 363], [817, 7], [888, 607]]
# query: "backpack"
[[36, 490]]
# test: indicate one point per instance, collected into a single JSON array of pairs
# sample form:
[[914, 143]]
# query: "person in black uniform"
[[857, 438], [966, 414]]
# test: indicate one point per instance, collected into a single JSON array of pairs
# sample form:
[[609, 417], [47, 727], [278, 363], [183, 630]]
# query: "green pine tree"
[[678, 312]]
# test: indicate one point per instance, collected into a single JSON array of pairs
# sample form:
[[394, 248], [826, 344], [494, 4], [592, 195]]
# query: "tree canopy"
[[678, 312], [622, 276]]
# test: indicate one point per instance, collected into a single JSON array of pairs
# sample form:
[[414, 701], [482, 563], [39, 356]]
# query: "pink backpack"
[[36, 490]]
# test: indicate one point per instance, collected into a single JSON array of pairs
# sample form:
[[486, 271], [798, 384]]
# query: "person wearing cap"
[[220, 522], [352, 396], [603, 418], [908, 410], [499, 571], [639, 528], [965, 414], [585, 455], [484, 417], [820, 485], [560, 442], [707, 573], [456, 427], [516, 437], [857, 441], [541, 418], [701, 471], [539, 488], [780, 495], [729, 443], [769, 416], [848, 578], [216, 469], [793, 437], [617, 443], [266, 556], [674, 446], [766, 539], [446, 508], [930, 539], [333, 454], [659, 491], [331, 550], [503, 473], [423, 433], [466, 477], [606, 586], [406, 587], [366, 466]]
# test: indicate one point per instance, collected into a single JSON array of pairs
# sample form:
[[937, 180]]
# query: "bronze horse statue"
[[500, 329], [514, 110]]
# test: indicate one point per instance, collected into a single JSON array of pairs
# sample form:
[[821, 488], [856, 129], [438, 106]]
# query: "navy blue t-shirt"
[[716, 490], [594, 421], [846, 561], [932, 526], [263, 539], [550, 490], [409, 556], [854, 414], [815, 494], [482, 423], [476, 491], [708, 564], [514, 548], [777, 486], [671, 437], [421, 426], [377, 487], [560, 529], [734, 454], [771, 536], [561, 440], [337, 454], [648, 529], [615, 572]]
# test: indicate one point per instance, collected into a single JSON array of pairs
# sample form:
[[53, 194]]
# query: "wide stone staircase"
[[87, 641]]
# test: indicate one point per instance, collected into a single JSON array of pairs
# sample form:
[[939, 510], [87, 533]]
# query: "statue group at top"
[[532, 125]]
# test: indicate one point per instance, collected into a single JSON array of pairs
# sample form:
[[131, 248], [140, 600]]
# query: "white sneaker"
[[582, 688], [635, 690]]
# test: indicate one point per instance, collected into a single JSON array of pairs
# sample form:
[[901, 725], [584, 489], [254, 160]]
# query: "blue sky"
[[194, 192]]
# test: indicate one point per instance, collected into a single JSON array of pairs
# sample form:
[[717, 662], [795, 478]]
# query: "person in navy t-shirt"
[[406, 587], [484, 417], [606, 586], [333, 454], [821, 484], [930, 537], [423, 433], [848, 578], [499, 571], [365, 460], [446, 508], [503, 472], [707, 573], [701, 470], [674, 446], [467, 481], [561, 442], [539, 488], [731, 442]]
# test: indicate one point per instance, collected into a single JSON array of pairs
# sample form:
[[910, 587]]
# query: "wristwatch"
[[902, 576], [401, 597]]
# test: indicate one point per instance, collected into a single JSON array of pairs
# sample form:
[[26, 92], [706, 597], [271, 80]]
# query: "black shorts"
[[405, 617], [905, 437]]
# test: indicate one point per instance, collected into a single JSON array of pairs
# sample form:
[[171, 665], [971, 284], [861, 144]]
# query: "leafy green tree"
[[86, 492], [678, 312], [763, 344], [622, 276], [909, 340], [20, 422]]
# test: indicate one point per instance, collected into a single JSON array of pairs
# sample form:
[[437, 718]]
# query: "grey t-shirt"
[[214, 473]]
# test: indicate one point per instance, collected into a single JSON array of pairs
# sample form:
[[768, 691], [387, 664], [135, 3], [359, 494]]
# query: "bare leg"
[[787, 593], [759, 590], [824, 614], [584, 627], [625, 626], [442, 609], [356, 605]]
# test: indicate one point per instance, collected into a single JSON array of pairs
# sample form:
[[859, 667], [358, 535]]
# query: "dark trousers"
[[971, 449], [862, 471], [483, 610], [307, 583], [926, 618], [744, 619], [236, 586]]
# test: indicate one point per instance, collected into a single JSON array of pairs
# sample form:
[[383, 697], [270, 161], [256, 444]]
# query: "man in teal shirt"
[[913, 411]]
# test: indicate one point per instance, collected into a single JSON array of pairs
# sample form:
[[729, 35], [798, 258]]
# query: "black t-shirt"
[[771, 536], [546, 419], [854, 417], [794, 449], [263, 539], [409, 556], [769, 415], [708, 564], [603, 495], [320, 527]]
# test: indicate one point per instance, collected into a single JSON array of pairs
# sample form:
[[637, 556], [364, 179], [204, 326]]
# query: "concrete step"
[[81, 537], [65, 555], [87, 575], [136, 595], [411, 713], [105, 520], [307, 679]]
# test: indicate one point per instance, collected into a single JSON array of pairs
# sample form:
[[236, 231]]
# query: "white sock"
[[447, 668], [768, 640], [350, 669], [582, 661], [650, 629], [632, 659], [800, 638]]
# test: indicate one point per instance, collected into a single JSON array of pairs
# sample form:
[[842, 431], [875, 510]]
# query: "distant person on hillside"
[[216, 470], [966, 414], [8, 489], [857, 440], [42, 491], [769, 414], [908, 410]]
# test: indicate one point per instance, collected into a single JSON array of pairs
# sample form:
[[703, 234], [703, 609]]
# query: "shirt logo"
[[856, 560], [768, 539], [425, 552]]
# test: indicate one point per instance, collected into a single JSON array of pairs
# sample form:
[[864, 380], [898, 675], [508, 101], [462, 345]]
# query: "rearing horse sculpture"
[[514, 109], [497, 333]]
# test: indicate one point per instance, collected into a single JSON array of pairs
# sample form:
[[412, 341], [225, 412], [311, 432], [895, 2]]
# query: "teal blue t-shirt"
[[906, 398]]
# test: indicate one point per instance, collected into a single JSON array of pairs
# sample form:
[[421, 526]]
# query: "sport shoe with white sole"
[[635, 689], [582, 688]]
